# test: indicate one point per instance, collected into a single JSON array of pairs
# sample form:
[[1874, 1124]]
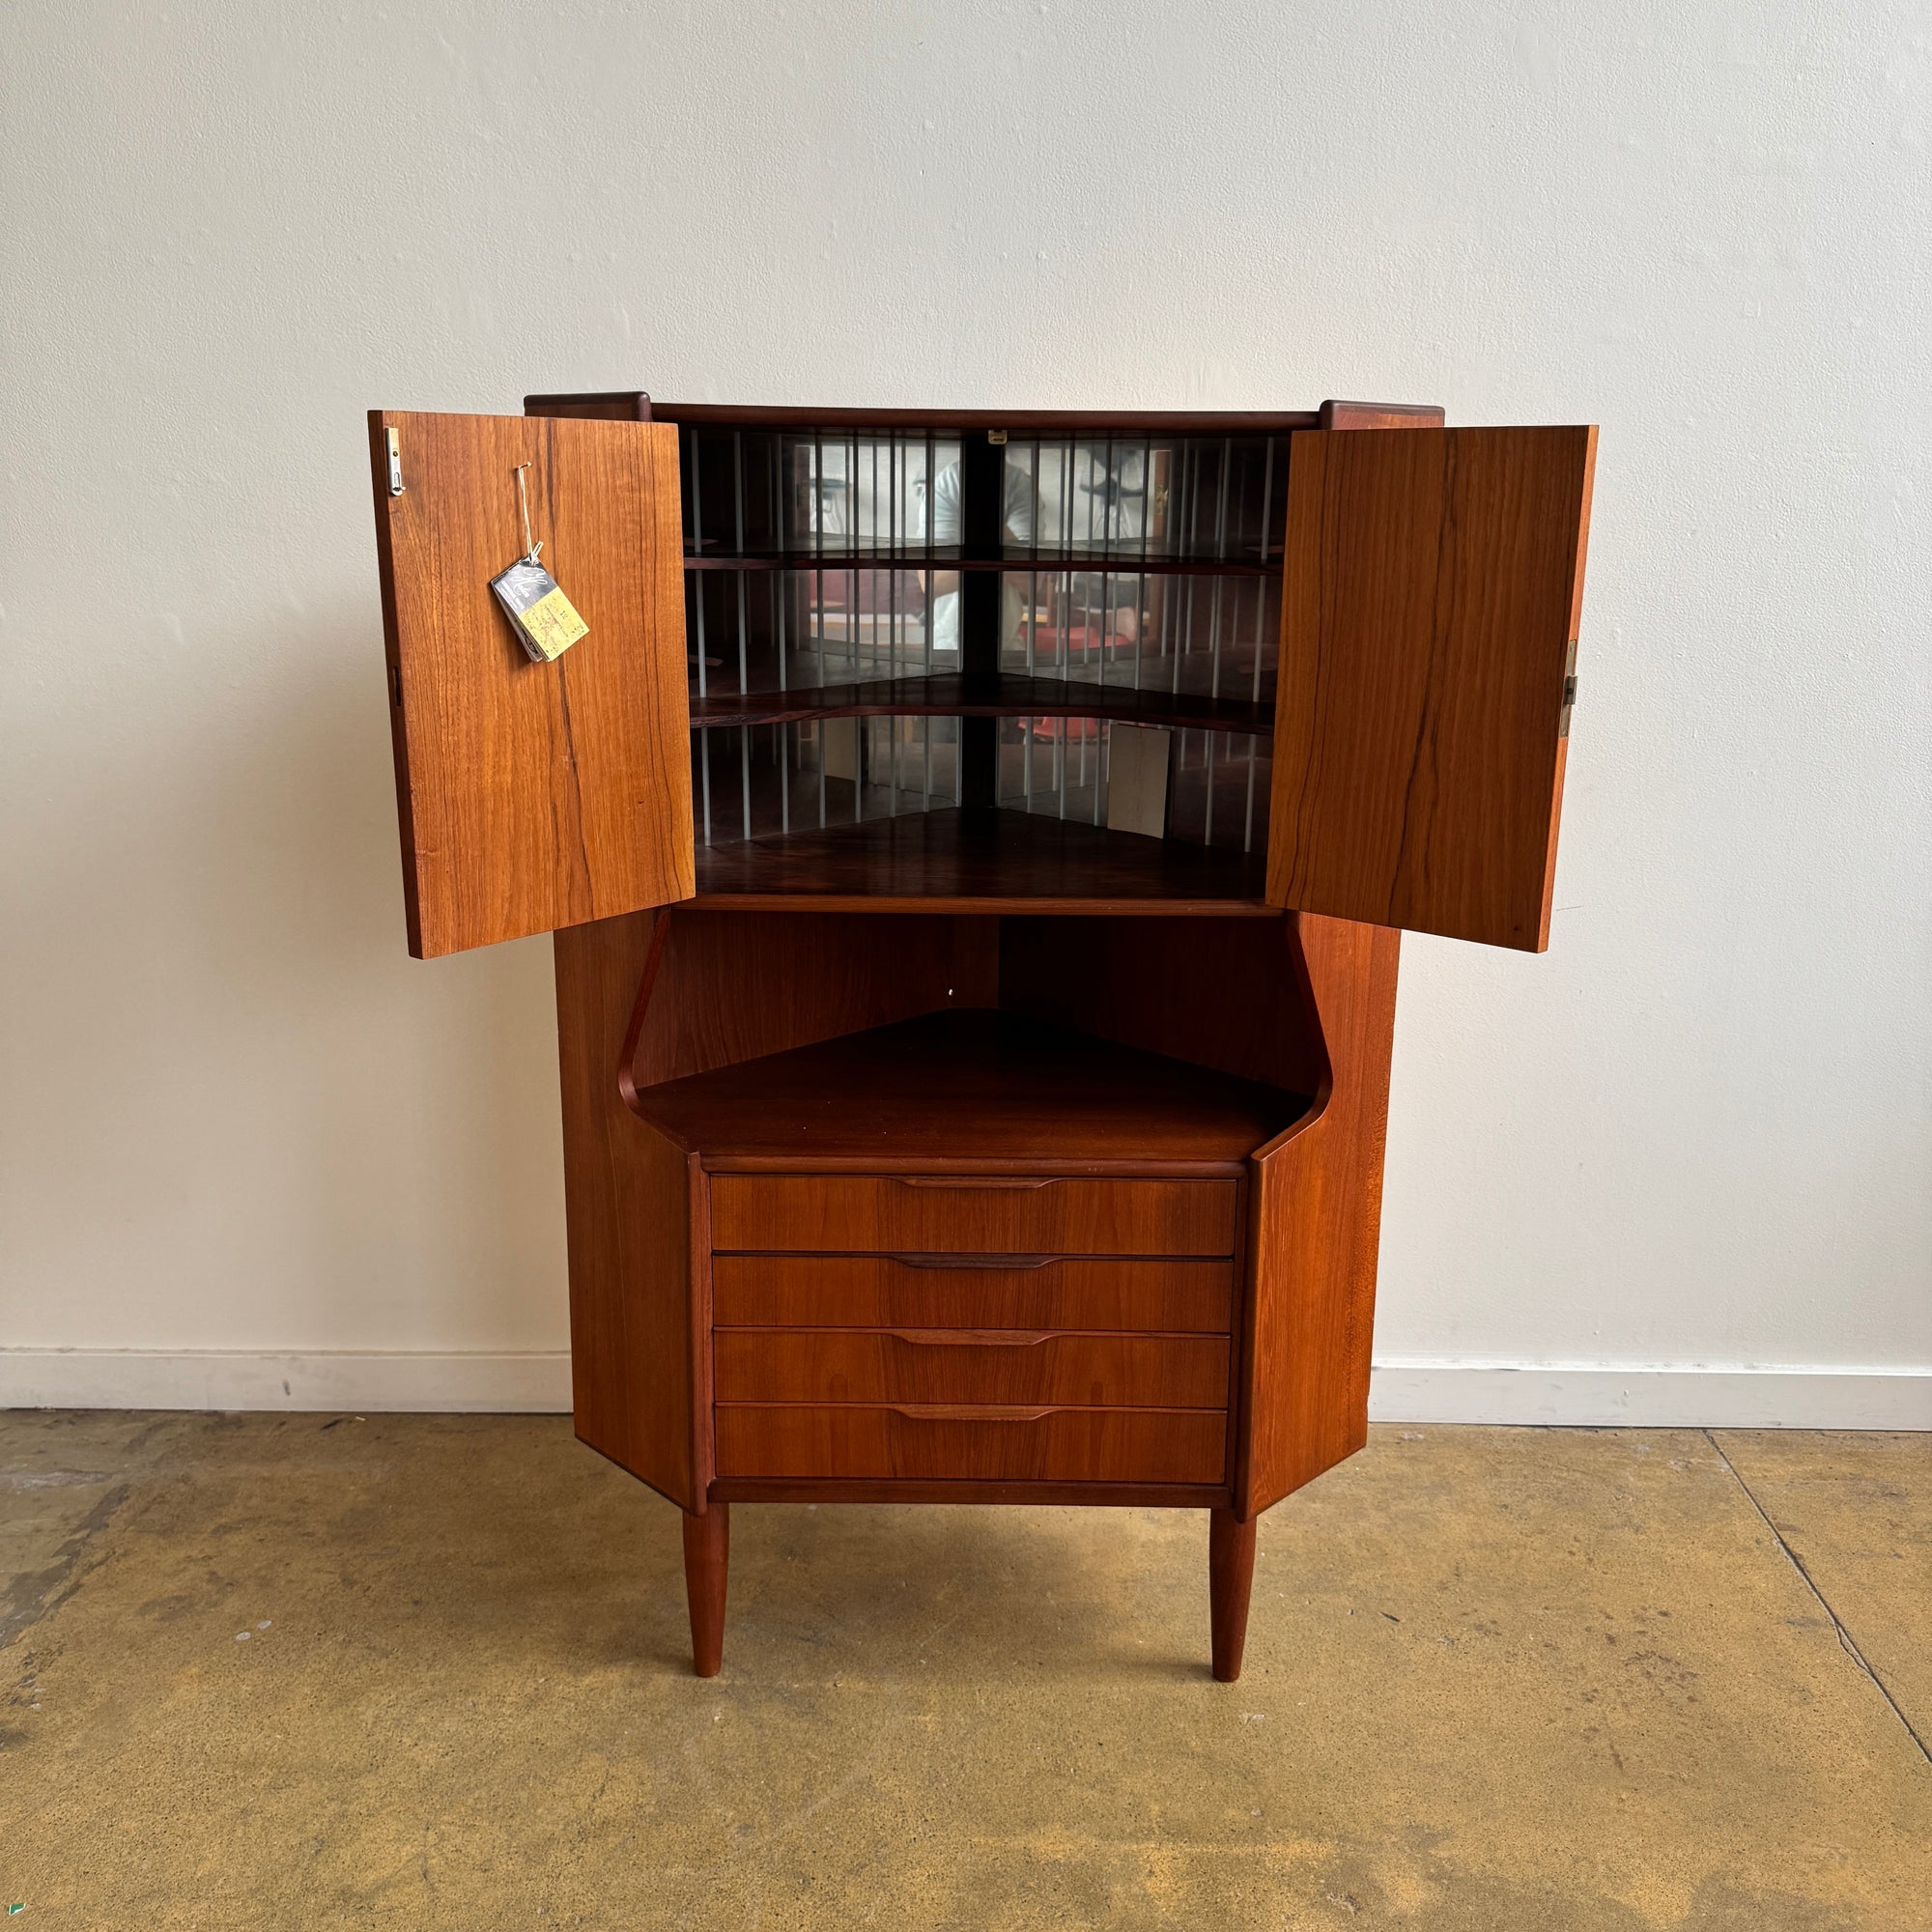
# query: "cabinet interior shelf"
[[979, 860], [1022, 563], [984, 695], [967, 1086]]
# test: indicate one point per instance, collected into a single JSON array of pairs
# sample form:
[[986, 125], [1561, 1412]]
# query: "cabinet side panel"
[[734, 985], [639, 1244], [1314, 1230], [1226, 993]]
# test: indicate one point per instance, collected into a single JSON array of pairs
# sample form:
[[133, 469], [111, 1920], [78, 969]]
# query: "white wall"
[[238, 1118]]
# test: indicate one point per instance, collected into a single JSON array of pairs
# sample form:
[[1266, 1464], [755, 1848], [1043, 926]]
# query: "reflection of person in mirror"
[[1088, 592]]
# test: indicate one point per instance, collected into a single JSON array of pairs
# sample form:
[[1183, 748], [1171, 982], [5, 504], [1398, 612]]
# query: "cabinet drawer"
[[971, 1292], [972, 1214], [953, 1365], [937, 1444]]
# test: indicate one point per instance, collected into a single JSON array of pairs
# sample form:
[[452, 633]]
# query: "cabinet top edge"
[[1219, 422]]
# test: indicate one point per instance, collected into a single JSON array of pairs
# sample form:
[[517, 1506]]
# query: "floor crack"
[[1791, 1556]]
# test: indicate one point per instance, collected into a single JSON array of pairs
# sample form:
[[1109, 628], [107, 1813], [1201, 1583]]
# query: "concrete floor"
[[267, 1671]]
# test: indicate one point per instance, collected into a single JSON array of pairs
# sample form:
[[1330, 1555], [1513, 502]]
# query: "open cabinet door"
[[533, 796], [1430, 590]]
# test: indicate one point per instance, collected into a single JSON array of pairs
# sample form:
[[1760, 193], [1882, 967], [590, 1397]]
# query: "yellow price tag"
[[546, 619], [552, 624]]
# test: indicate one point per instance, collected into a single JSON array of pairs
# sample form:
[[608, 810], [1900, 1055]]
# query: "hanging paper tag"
[[546, 619]]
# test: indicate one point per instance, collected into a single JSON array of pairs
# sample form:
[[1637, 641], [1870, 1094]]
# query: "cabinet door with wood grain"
[[533, 795], [1431, 586]]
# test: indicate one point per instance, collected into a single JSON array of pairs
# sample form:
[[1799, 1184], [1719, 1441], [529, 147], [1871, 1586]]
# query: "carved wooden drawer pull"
[[975, 1338], [993, 1260], [977, 1180], [939, 1412]]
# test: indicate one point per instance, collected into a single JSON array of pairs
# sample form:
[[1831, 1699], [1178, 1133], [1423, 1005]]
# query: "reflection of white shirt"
[[947, 529]]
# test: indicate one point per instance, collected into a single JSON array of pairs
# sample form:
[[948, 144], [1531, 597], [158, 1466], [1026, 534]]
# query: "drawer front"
[[971, 1214], [951, 1365], [1068, 1445], [971, 1292]]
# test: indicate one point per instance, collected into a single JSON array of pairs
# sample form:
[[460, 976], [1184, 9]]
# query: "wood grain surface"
[[533, 796], [971, 1215], [960, 1091], [991, 1491], [1430, 596], [1139, 981], [1231, 1576], [1334, 414], [1315, 1210], [599, 405], [981, 861], [995, 1291], [970, 1365], [625, 402], [1025, 1442], [640, 1246], [722, 987], [707, 1563]]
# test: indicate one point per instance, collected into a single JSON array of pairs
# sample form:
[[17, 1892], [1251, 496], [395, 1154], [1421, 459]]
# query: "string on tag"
[[523, 498]]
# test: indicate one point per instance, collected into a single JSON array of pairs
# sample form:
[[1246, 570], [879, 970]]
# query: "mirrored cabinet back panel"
[[768, 493], [762, 632], [886, 620], [752, 782]]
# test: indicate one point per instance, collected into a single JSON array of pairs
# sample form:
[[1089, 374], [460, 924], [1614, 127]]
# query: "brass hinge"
[[1569, 692]]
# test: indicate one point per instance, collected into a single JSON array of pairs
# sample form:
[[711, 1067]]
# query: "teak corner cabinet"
[[976, 845]]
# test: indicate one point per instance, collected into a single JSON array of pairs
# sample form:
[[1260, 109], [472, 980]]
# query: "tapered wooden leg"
[[708, 1553], [1231, 1574]]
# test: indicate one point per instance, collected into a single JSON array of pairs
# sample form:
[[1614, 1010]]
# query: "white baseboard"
[[1612, 1395], [534, 1383], [1550, 1394]]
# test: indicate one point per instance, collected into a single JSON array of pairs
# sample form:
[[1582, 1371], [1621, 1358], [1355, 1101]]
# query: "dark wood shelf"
[[986, 695], [981, 861], [1113, 564], [966, 1087]]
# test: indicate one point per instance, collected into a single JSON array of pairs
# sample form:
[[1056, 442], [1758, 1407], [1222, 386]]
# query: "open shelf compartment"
[[961, 667], [966, 1085]]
